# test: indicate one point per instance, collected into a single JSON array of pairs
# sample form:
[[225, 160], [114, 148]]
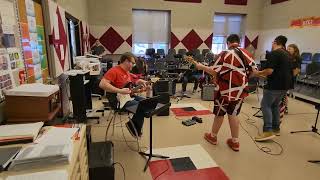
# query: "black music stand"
[[314, 129], [150, 107]]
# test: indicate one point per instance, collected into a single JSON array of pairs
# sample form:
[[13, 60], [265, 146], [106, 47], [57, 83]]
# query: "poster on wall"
[[33, 40], [305, 22], [11, 62], [58, 39]]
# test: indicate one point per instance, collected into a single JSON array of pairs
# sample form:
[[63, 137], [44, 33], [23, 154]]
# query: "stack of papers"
[[47, 175], [53, 147], [19, 133], [6, 156]]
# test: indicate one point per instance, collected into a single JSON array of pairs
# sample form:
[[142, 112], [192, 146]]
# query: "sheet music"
[[57, 136], [47, 175], [39, 151]]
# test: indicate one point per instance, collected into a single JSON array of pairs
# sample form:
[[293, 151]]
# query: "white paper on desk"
[[57, 136], [16, 130], [39, 151], [47, 175]]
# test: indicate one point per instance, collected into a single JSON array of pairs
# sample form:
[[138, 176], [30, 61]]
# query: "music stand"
[[314, 129], [150, 107], [256, 114]]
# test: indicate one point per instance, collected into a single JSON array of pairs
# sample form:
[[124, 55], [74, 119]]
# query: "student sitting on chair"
[[116, 81], [190, 75]]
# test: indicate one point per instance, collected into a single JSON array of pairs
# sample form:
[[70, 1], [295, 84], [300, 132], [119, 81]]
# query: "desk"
[[78, 167]]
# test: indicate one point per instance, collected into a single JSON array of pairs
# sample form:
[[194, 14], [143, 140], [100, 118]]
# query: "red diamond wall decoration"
[[254, 43], [174, 41], [208, 41], [192, 40], [57, 43], [277, 1], [236, 2], [92, 39], [129, 40], [111, 40]]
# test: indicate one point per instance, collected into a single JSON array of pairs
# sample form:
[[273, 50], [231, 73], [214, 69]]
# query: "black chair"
[[195, 52], [115, 111], [172, 52], [161, 53], [312, 68], [205, 52], [150, 53], [316, 58], [306, 59], [181, 53]]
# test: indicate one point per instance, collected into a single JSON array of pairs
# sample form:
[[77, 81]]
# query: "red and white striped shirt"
[[232, 73]]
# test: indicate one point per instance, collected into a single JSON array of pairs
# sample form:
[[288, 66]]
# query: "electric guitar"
[[118, 100], [203, 79]]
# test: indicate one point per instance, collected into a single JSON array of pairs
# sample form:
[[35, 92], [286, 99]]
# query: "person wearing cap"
[[278, 73], [115, 81]]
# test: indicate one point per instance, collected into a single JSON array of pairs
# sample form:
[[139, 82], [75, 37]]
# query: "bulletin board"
[[33, 40], [12, 69]]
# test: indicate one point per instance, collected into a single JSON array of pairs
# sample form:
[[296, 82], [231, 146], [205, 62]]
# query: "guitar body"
[[117, 101], [113, 97]]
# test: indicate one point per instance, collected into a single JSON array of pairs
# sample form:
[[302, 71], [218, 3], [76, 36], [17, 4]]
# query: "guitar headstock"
[[190, 59], [154, 80]]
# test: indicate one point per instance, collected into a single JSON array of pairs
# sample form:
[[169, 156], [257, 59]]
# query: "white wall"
[[276, 21]]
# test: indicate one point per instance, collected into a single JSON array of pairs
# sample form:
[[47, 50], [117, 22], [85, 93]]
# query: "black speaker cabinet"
[[161, 86], [164, 99], [101, 161]]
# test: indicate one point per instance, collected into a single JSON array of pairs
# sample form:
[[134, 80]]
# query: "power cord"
[[124, 172], [264, 149]]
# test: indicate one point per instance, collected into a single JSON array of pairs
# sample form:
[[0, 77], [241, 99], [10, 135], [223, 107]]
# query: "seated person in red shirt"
[[116, 79]]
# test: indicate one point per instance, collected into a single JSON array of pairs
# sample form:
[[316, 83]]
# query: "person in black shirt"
[[279, 80]]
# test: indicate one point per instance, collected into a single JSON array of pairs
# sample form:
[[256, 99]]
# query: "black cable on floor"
[[124, 172], [264, 149]]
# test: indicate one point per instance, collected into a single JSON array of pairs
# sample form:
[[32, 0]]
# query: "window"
[[151, 29], [223, 25]]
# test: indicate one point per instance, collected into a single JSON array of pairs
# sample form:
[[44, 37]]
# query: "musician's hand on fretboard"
[[190, 59]]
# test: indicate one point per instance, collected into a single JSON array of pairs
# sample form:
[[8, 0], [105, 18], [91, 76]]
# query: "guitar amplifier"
[[164, 99], [207, 92], [161, 86], [172, 87], [101, 164]]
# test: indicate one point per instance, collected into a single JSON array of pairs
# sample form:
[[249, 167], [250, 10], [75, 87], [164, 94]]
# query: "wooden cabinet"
[[32, 103]]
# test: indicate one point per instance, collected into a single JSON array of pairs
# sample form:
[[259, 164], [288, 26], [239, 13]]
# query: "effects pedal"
[[189, 122], [197, 119]]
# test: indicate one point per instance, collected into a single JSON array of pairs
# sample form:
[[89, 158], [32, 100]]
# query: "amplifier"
[[161, 86], [164, 99], [172, 87], [101, 165], [207, 92]]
